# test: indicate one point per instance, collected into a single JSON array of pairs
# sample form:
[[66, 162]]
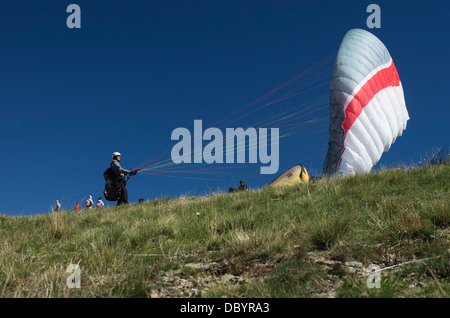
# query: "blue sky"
[[136, 70]]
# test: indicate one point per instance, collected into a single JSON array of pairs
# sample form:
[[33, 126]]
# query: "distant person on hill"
[[100, 203], [77, 207], [58, 206], [242, 187], [119, 175], [89, 203]]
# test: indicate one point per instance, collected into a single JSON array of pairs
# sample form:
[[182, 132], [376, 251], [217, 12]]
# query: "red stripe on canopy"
[[387, 77]]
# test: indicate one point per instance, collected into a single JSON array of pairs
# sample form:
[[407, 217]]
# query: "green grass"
[[275, 242]]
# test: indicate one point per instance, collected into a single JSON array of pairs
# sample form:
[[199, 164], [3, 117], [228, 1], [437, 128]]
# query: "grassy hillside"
[[310, 240]]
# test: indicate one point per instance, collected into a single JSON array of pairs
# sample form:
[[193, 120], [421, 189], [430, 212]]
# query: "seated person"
[[242, 187]]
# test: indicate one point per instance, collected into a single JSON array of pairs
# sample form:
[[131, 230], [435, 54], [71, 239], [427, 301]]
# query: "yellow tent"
[[294, 175]]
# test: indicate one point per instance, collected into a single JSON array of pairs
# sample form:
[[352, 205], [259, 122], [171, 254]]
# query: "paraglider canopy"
[[368, 110], [294, 175]]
